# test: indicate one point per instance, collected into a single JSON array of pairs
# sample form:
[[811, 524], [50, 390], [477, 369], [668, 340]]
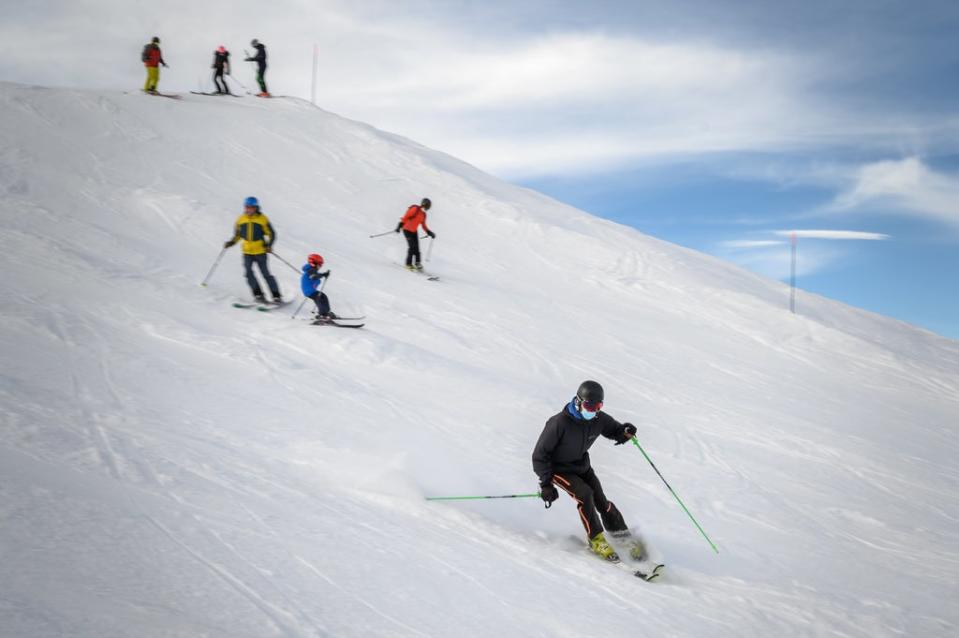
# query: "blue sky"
[[711, 124]]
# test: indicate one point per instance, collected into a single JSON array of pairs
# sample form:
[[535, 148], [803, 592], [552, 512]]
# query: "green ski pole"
[[636, 442], [468, 498]]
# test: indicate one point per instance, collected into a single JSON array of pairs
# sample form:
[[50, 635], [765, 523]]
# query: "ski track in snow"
[[175, 465]]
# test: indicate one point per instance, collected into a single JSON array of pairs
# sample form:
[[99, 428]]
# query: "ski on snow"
[[336, 324]]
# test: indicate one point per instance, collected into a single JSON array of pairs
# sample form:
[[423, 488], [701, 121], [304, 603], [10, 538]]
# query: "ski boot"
[[637, 550], [411, 267], [259, 298], [603, 549], [419, 267]]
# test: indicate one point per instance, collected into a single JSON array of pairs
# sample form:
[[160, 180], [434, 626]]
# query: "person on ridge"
[[410, 224], [561, 459], [310, 282], [260, 59], [221, 64], [152, 58], [258, 237]]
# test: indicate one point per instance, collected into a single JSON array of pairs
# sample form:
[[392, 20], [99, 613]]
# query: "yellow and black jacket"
[[254, 230]]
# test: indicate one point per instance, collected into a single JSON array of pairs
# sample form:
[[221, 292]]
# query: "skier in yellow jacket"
[[258, 236]]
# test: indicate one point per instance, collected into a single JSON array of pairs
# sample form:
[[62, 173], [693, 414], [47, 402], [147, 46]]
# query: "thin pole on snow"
[[313, 83], [793, 240], [636, 442], [320, 289], [389, 232], [429, 251]]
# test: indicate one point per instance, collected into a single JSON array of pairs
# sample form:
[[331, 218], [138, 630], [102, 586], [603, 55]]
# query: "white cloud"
[[833, 234], [905, 186]]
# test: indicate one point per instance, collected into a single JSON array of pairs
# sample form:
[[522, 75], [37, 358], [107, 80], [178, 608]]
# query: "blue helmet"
[[251, 201]]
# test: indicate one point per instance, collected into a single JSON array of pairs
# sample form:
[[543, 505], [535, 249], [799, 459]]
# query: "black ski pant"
[[261, 77], [413, 244], [587, 491], [220, 82], [322, 303], [260, 261]]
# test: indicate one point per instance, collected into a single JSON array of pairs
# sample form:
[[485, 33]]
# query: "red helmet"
[[222, 49], [315, 260]]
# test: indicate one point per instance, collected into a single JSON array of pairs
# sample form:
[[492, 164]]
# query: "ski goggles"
[[592, 406]]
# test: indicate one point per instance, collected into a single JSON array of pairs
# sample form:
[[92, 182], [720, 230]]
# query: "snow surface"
[[171, 466]]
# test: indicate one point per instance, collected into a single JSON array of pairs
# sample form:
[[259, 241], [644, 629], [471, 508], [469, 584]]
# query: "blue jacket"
[[311, 279]]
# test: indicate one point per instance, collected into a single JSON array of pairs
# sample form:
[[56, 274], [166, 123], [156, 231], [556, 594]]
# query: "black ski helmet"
[[254, 42], [156, 39], [426, 203], [589, 391]]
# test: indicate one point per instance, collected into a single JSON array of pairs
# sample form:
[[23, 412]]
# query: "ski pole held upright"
[[695, 522], [213, 267], [429, 251]]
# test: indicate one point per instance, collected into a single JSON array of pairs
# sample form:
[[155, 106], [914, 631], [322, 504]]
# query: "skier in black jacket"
[[561, 459], [260, 59], [221, 64]]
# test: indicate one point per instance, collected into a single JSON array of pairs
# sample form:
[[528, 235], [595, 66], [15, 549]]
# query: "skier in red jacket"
[[410, 224], [152, 59]]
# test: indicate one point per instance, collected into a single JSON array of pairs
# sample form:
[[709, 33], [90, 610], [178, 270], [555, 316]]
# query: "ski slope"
[[172, 466]]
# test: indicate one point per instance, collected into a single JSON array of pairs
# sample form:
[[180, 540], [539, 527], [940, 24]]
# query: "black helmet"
[[156, 39], [426, 203], [254, 42], [591, 393]]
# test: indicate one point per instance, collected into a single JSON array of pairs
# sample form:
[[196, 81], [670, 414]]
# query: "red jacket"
[[414, 216], [153, 55]]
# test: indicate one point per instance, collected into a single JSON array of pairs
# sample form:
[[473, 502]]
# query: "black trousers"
[[261, 77], [322, 302], [413, 246], [260, 261], [587, 491], [220, 83]]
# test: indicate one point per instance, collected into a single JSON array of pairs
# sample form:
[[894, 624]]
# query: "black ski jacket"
[[260, 57], [221, 61], [563, 446]]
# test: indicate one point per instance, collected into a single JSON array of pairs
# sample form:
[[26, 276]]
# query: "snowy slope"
[[171, 466]]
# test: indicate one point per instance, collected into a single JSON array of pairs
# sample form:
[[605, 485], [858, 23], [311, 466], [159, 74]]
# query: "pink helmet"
[[222, 49]]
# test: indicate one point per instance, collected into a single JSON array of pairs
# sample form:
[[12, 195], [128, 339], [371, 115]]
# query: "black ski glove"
[[229, 243], [399, 226], [431, 234], [324, 275], [548, 493], [629, 431]]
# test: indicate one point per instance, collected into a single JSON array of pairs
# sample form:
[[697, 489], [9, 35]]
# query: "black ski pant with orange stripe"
[[587, 491]]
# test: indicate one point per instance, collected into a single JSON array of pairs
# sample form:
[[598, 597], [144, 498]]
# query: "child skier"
[[310, 283], [410, 224], [561, 459]]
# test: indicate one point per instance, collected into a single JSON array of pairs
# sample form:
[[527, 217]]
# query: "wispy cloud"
[[849, 235], [903, 186]]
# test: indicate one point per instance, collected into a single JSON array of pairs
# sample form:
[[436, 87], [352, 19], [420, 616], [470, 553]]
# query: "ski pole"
[[295, 269], [320, 289], [468, 498], [389, 232], [297, 311], [212, 268], [636, 442], [242, 86], [429, 251]]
